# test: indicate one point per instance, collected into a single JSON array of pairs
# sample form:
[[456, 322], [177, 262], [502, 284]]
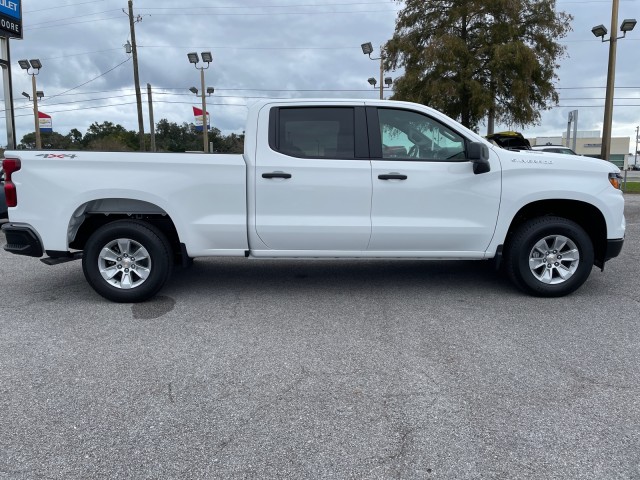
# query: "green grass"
[[631, 187]]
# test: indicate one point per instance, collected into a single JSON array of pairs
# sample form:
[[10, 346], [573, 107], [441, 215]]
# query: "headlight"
[[615, 179]]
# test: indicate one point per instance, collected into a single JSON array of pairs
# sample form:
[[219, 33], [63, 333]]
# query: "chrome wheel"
[[124, 263], [554, 259]]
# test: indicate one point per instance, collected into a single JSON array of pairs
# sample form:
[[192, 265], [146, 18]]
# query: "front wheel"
[[127, 261], [549, 256]]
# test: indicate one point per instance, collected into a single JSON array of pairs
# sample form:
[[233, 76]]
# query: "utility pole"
[[136, 77], [151, 124]]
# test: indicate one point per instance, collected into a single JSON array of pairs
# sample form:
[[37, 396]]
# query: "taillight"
[[10, 165]]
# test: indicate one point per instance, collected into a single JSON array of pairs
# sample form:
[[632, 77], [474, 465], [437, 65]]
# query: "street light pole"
[[367, 49], [35, 113], [206, 58], [381, 72], [33, 67], [611, 75], [628, 24], [636, 153], [205, 129]]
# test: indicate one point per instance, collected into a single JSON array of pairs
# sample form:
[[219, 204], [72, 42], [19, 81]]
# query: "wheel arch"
[[91, 215], [588, 216]]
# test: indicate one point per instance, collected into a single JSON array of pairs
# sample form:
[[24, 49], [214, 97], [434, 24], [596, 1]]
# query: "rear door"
[[313, 183]]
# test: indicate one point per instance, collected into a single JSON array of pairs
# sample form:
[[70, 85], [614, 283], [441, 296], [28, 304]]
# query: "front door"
[[426, 197]]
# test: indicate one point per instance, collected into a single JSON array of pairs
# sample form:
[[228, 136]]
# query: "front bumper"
[[614, 247], [22, 240]]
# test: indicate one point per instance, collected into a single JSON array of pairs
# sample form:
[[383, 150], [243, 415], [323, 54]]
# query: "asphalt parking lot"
[[248, 369]]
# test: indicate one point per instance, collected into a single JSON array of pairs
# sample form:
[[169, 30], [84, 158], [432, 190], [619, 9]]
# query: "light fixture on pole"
[[387, 82], [367, 49], [32, 67], [208, 59], [600, 31]]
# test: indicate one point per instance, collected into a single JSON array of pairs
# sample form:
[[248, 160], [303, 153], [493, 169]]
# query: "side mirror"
[[478, 154]]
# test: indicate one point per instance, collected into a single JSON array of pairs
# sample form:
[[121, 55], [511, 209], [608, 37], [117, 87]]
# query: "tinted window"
[[410, 135], [316, 132]]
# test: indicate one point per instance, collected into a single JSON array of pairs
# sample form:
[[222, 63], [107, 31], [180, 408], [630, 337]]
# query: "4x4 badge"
[[57, 155]]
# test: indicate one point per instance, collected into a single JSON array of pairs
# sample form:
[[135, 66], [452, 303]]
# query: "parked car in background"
[[509, 140], [555, 149], [3, 203]]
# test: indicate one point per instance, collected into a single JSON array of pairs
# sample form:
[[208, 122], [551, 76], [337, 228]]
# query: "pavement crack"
[[170, 393]]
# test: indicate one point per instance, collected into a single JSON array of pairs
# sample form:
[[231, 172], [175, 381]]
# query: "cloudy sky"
[[265, 48]]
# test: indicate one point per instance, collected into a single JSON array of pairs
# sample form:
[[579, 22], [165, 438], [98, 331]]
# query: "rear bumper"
[[22, 240], [614, 247]]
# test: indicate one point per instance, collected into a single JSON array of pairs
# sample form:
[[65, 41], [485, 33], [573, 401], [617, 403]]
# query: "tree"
[[50, 141], [171, 137], [473, 58], [109, 136], [76, 137]]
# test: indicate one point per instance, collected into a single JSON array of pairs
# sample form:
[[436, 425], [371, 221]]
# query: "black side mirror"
[[478, 154]]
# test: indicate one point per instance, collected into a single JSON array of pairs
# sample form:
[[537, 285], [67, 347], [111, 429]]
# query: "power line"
[[26, 28], [73, 23], [271, 14], [31, 25], [58, 7], [292, 5], [596, 106], [252, 48], [94, 78], [584, 88], [128, 103], [79, 54]]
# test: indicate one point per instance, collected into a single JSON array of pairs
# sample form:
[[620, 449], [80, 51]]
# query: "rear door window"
[[316, 132]]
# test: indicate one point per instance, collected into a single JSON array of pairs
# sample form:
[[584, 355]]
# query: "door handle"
[[276, 175], [392, 176]]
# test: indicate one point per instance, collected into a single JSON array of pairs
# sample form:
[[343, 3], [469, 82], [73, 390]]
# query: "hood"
[[537, 158]]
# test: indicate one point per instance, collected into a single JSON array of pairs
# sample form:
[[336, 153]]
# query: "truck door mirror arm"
[[478, 154]]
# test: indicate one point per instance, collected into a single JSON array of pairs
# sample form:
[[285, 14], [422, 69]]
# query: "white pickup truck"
[[319, 179]]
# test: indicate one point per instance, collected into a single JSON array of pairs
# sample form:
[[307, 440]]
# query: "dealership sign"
[[46, 123], [197, 114], [11, 18]]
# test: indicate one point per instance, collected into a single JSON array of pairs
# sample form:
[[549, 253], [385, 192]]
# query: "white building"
[[589, 143]]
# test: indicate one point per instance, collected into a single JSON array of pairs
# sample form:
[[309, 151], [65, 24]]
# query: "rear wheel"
[[127, 261], [549, 256]]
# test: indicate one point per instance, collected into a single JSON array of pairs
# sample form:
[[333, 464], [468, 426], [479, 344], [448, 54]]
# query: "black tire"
[[538, 268], [143, 279]]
